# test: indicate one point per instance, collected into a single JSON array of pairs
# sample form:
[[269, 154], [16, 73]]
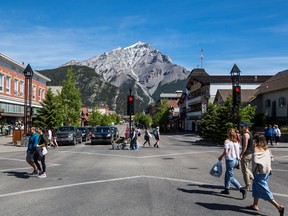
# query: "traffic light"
[[130, 105], [236, 95]]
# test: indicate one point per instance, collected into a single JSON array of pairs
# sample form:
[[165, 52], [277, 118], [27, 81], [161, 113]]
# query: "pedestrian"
[[232, 156], [33, 141], [157, 137], [147, 136], [133, 140], [277, 134], [54, 139], [261, 167], [269, 134], [246, 154], [50, 138], [43, 142]]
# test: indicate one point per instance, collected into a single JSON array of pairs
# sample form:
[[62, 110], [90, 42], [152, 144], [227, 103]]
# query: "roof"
[[22, 66], [246, 94], [227, 79], [275, 83]]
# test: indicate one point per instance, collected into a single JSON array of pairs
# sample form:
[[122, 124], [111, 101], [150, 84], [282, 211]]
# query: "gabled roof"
[[275, 83], [246, 94]]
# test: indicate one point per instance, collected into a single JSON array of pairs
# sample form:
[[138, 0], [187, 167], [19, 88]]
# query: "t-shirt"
[[233, 150]]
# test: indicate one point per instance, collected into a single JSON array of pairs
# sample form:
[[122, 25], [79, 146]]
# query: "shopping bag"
[[44, 151], [216, 169]]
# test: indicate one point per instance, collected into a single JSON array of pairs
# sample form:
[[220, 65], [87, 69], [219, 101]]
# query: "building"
[[271, 98], [12, 82], [202, 88]]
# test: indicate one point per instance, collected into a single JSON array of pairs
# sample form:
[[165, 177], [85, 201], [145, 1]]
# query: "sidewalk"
[[6, 145]]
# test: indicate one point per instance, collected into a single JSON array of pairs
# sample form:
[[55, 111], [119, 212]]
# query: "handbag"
[[216, 169]]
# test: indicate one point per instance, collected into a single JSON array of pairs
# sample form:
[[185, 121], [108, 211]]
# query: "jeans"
[[229, 174]]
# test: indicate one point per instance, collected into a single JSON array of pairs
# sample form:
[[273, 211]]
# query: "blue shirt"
[[269, 132], [33, 142]]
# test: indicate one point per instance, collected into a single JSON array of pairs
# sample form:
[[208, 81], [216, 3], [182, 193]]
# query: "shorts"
[[30, 156]]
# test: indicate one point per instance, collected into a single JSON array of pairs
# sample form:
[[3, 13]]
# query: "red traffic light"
[[237, 89], [130, 99]]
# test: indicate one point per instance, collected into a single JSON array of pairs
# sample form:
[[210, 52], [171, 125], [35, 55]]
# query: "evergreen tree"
[[70, 99], [95, 118], [48, 116]]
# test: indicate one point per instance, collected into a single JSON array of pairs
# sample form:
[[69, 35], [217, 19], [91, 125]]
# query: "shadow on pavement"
[[227, 207], [23, 175]]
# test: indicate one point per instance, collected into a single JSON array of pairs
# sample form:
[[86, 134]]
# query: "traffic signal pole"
[[130, 118]]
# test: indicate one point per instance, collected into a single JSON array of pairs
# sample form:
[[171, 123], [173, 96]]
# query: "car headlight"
[[108, 135], [70, 135]]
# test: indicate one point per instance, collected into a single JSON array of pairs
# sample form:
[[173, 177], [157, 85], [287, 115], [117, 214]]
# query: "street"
[[95, 180]]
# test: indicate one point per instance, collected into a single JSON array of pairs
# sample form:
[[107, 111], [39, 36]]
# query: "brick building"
[[12, 90]]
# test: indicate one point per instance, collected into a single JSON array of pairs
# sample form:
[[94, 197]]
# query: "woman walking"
[[146, 137], [232, 156], [261, 167], [43, 142]]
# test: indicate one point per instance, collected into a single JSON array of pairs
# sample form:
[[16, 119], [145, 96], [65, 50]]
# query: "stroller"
[[119, 144]]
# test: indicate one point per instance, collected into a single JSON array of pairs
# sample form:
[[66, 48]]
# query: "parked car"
[[115, 132], [68, 135], [85, 133], [102, 134]]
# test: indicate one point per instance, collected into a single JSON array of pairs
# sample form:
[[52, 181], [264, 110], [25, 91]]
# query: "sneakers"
[[43, 175], [34, 173], [226, 191], [244, 193]]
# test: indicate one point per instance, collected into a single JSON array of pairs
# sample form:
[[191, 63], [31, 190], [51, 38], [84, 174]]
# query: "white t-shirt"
[[233, 150], [49, 134]]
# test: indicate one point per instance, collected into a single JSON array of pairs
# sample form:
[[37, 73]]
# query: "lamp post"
[[28, 73], [236, 93]]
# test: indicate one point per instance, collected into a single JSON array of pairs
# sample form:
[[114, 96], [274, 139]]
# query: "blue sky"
[[47, 34]]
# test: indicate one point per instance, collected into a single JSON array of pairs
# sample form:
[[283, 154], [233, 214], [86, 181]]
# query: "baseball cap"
[[244, 124]]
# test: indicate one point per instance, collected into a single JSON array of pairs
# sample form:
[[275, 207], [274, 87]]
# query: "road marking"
[[175, 154], [279, 170], [25, 168], [66, 186], [114, 180], [140, 157]]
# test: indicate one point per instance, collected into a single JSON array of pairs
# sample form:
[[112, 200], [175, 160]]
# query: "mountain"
[[109, 77], [141, 64]]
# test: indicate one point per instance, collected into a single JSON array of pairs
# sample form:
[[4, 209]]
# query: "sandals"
[[251, 207], [281, 211]]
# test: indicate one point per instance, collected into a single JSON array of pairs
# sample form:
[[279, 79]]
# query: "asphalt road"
[[95, 180]]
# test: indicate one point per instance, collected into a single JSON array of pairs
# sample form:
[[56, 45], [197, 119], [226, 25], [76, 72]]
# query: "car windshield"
[[102, 130], [82, 129], [66, 129]]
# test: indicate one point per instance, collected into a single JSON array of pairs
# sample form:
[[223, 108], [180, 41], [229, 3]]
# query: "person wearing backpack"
[[157, 137]]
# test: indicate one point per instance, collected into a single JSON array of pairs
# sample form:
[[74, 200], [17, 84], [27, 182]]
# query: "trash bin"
[[17, 136]]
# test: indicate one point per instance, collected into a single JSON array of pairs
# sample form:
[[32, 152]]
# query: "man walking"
[[33, 142], [246, 154]]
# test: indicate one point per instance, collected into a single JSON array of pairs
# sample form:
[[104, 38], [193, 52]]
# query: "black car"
[[102, 134], [115, 132], [85, 133]]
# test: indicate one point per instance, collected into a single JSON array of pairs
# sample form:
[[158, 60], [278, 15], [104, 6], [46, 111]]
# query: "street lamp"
[[236, 93], [28, 73]]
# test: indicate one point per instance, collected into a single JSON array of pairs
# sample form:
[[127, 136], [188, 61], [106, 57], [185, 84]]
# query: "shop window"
[[267, 103], [282, 101]]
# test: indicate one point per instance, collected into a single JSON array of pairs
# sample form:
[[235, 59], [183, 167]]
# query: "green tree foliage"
[[95, 118], [217, 119], [143, 119], [70, 99], [161, 118], [49, 116], [106, 120]]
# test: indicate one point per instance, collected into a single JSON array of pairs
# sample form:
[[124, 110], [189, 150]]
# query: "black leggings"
[[42, 159]]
